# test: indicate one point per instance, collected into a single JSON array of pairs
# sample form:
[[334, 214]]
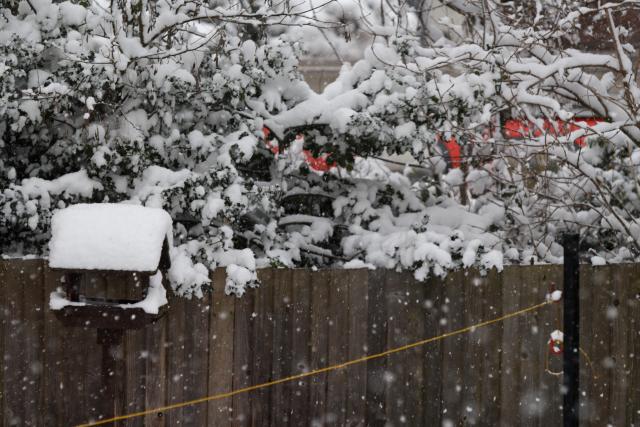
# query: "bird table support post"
[[571, 362], [111, 339]]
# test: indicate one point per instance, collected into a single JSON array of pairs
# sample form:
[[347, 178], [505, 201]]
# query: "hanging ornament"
[[556, 343]]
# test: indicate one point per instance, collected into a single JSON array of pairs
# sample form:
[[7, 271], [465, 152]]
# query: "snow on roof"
[[107, 236]]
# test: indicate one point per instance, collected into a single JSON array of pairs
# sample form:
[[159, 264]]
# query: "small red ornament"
[[556, 347]]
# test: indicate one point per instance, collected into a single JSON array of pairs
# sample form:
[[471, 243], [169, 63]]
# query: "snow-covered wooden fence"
[[300, 320]]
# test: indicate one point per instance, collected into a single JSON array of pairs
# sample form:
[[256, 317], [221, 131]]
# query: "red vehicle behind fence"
[[512, 128]]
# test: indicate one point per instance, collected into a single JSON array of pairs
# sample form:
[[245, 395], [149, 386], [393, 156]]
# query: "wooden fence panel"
[[263, 345], [320, 284], [358, 282], [432, 363], [376, 343], [597, 346], [338, 350], [220, 377], [300, 320], [300, 348], [453, 357]]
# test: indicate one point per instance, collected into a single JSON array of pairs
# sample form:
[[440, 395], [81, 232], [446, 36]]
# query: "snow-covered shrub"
[[163, 104]]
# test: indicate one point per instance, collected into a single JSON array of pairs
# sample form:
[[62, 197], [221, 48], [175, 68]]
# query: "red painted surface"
[[513, 128], [319, 164], [556, 347], [453, 152], [520, 129]]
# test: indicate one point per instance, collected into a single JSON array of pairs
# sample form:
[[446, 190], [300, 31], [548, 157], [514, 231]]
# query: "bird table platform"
[[112, 259]]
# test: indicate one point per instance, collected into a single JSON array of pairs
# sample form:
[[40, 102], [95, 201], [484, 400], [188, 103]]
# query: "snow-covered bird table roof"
[[107, 236]]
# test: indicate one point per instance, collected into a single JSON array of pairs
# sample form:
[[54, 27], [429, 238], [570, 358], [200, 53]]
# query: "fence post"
[[571, 361]]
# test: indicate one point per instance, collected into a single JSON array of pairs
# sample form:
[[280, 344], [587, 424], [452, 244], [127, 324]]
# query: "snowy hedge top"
[[108, 236]]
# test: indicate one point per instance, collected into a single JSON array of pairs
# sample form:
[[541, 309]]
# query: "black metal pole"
[[571, 362]]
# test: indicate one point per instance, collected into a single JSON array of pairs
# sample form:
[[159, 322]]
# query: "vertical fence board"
[[452, 349], [376, 340], [533, 349], [32, 342], [177, 363], [404, 372], [135, 364], [547, 320], [300, 348], [589, 383], [320, 282], [4, 320], [510, 369], [357, 374], [155, 370], [196, 359], [472, 348], [633, 331], [242, 359], [338, 341], [397, 335], [263, 348], [432, 367], [414, 358], [618, 314], [220, 351], [53, 359], [597, 348], [490, 342], [13, 360], [282, 338]]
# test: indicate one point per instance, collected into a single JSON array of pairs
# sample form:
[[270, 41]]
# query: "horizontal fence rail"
[[299, 321]]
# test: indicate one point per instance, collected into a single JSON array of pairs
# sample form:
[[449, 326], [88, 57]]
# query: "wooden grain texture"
[[156, 370], [54, 381], [300, 320], [432, 366], [263, 345], [546, 321], [4, 320], [177, 365], [633, 335], [357, 281], [338, 342], [489, 341], [619, 316], [135, 366], [473, 284], [282, 339], [510, 354], [242, 359], [594, 324], [196, 359], [376, 339], [452, 379], [320, 283], [220, 374], [404, 380], [13, 333], [300, 346]]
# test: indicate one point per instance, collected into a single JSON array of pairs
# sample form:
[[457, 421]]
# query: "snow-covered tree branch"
[[199, 107]]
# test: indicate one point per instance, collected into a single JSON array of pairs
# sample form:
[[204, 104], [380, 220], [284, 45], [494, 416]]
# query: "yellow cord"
[[317, 371]]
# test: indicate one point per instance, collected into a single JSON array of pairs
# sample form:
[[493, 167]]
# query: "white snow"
[[58, 300], [108, 236], [156, 296], [557, 336], [72, 14]]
